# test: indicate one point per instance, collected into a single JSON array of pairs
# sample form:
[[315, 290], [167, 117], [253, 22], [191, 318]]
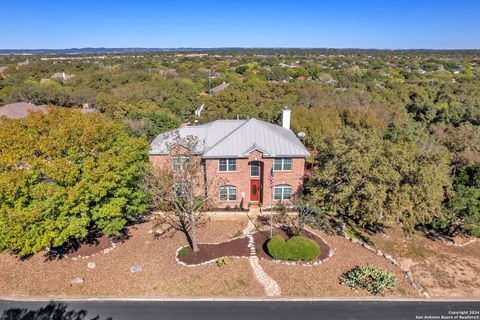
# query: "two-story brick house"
[[242, 154]]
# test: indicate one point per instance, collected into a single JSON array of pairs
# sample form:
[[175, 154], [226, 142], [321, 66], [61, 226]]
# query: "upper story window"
[[227, 165], [282, 164], [228, 193], [255, 169], [282, 192], [179, 163], [182, 189]]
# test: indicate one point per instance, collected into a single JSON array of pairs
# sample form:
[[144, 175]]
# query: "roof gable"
[[272, 141]]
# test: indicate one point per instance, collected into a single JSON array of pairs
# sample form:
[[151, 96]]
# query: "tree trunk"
[[193, 231]]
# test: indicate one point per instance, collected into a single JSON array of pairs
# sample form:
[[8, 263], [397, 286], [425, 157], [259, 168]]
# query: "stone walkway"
[[271, 287]]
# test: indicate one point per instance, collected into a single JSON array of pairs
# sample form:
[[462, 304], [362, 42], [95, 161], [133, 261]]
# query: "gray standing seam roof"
[[235, 139]]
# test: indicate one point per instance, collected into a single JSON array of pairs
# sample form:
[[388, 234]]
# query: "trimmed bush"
[[295, 248], [277, 248], [374, 280]]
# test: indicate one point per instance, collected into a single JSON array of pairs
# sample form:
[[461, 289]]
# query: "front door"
[[254, 190]]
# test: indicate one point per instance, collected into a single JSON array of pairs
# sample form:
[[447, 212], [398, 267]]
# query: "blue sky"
[[453, 24]]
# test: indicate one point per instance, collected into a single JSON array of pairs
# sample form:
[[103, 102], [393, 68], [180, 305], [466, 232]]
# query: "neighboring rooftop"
[[20, 110], [235, 139], [58, 76], [219, 88]]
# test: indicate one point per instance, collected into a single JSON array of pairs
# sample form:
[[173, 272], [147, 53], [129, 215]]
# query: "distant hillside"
[[279, 50], [101, 50]]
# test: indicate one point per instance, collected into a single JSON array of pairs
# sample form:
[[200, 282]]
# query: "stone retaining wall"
[[341, 230]]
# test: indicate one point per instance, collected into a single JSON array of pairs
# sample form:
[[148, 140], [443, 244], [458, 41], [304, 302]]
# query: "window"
[[254, 169], [282, 164], [179, 163], [228, 193], [182, 189], [227, 165], [282, 192]]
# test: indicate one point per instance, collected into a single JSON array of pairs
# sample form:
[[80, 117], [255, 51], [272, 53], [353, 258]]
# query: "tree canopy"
[[64, 174], [375, 182]]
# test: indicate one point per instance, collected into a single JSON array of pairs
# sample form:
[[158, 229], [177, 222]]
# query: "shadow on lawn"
[[94, 242], [52, 311]]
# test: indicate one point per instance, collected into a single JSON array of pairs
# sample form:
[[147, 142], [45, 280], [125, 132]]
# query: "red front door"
[[254, 190]]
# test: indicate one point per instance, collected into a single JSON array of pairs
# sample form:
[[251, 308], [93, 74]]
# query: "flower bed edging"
[[104, 251], [205, 262], [305, 264], [212, 260], [458, 245]]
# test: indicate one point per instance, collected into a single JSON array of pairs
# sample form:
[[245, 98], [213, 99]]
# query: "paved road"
[[266, 310]]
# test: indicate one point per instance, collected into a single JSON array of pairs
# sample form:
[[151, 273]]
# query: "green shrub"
[[277, 248], [295, 248], [302, 248], [184, 251], [374, 280], [222, 262], [280, 208]]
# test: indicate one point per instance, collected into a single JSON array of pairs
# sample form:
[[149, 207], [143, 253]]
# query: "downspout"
[[205, 177]]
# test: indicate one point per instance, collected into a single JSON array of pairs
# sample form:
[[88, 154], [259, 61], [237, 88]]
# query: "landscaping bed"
[[261, 240], [212, 251], [160, 275], [89, 249], [325, 280], [443, 270]]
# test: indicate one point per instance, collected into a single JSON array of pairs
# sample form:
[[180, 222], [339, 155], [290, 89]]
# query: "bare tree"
[[180, 189]]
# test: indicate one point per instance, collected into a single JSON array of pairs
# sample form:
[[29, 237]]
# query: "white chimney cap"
[[286, 114]]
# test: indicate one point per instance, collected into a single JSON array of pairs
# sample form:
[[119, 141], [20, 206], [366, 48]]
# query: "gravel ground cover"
[[324, 280], [145, 266], [160, 274], [444, 271]]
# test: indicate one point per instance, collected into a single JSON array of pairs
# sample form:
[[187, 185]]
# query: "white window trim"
[[282, 186], [257, 165], [184, 164], [283, 164], [227, 171], [228, 200]]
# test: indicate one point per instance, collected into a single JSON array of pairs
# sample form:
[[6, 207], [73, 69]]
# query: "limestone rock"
[[77, 280], [136, 268]]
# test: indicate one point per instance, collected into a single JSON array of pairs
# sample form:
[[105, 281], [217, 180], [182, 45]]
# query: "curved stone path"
[[271, 287]]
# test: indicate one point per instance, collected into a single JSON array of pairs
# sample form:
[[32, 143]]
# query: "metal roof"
[[235, 139]]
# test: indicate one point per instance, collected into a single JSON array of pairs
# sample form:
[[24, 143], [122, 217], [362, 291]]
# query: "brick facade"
[[241, 178]]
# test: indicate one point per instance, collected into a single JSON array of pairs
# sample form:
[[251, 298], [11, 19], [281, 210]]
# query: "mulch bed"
[[261, 243], [239, 248], [209, 251], [88, 249]]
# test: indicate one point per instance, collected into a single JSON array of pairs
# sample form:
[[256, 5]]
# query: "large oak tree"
[[64, 174]]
